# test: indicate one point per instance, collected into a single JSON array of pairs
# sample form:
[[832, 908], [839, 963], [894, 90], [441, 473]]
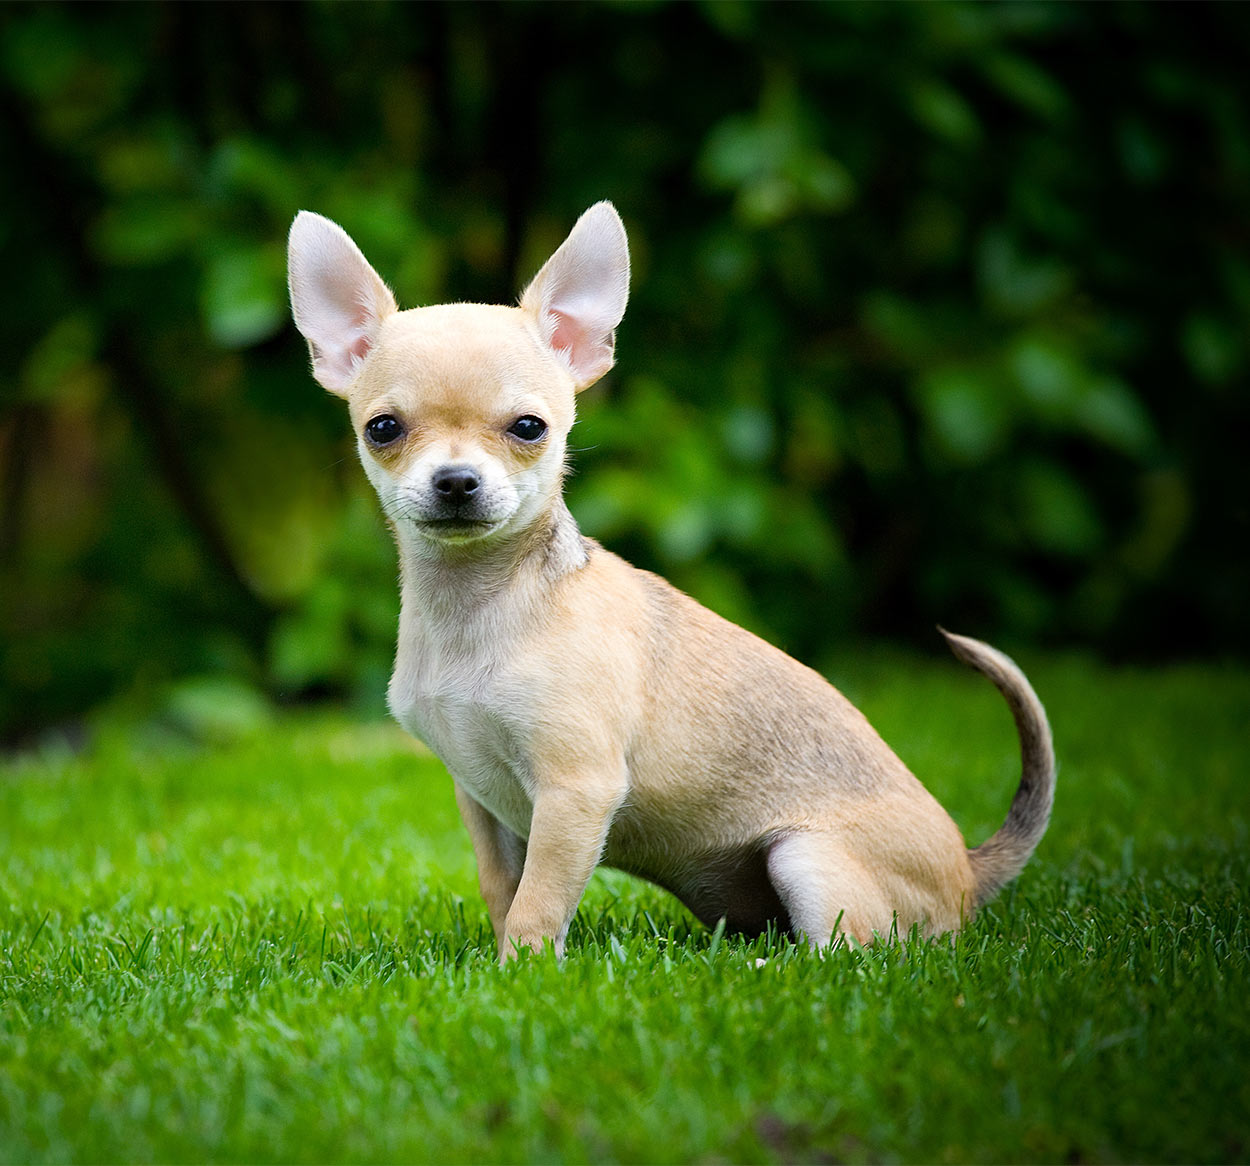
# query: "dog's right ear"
[[337, 299]]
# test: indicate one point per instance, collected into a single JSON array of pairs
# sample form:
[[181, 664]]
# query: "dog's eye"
[[384, 429], [528, 428]]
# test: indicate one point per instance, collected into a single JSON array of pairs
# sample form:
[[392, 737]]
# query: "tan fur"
[[589, 712]]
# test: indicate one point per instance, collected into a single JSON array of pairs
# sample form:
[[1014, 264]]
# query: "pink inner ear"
[[564, 333], [359, 348], [570, 334]]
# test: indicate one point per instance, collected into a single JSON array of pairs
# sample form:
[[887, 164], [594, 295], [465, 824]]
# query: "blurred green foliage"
[[940, 312]]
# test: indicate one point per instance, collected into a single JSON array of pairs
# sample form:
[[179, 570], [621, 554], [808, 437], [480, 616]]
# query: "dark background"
[[940, 313]]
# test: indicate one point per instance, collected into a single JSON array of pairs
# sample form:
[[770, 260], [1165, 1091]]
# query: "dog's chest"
[[461, 710]]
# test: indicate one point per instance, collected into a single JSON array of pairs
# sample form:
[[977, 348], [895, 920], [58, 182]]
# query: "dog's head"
[[461, 411]]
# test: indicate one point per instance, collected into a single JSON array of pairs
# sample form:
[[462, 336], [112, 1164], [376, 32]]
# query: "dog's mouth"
[[445, 522], [455, 529]]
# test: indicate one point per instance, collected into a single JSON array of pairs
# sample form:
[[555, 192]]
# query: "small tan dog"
[[588, 711]]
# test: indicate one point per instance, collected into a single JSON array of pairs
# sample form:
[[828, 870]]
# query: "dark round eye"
[[384, 429], [528, 428]]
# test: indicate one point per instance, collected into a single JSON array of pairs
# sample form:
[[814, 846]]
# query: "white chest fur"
[[453, 695]]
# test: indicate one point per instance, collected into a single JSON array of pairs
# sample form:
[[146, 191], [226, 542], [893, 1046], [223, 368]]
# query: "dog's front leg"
[[500, 858], [567, 833]]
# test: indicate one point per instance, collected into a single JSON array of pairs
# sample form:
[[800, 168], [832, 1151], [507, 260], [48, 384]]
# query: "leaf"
[[945, 112], [146, 229], [1213, 349], [312, 643], [773, 162], [1014, 282], [60, 358], [1027, 84], [966, 412], [243, 296], [1047, 373], [218, 708], [250, 167], [1056, 512], [1111, 411]]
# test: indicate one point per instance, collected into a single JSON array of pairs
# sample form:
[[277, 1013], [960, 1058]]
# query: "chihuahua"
[[588, 711]]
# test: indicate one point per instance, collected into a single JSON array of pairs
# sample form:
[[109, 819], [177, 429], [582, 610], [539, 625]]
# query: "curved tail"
[[1002, 856]]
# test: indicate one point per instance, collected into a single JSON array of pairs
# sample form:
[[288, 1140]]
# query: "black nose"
[[456, 483]]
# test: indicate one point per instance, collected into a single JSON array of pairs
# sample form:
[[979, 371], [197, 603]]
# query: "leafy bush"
[[940, 312]]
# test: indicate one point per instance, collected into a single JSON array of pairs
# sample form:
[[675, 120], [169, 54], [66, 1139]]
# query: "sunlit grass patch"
[[273, 950]]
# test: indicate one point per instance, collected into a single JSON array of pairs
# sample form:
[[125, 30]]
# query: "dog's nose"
[[456, 483]]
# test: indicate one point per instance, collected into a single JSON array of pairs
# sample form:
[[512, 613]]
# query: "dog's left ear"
[[579, 296]]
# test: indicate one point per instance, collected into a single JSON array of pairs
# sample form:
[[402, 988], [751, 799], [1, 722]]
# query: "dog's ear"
[[337, 299], [578, 298]]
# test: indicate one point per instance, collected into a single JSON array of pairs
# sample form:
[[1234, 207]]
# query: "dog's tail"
[[1002, 856]]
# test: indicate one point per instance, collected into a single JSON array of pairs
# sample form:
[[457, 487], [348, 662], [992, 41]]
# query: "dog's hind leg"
[[827, 891]]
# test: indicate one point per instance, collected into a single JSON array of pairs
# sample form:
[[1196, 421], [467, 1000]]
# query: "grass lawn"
[[261, 941]]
